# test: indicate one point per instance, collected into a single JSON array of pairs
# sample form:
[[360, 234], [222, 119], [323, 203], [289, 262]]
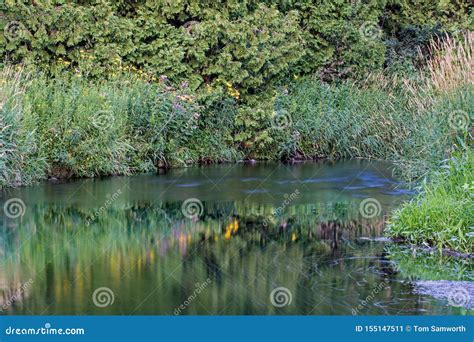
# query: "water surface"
[[227, 239]]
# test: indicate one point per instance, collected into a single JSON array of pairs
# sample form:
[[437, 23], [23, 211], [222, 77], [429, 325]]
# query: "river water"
[[261, 238]]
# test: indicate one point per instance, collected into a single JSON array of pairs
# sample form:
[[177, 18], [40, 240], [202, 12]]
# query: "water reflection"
[[250, 237]]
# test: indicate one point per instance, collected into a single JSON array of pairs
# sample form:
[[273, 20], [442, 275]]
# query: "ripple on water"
[[326, 179], [189, 185], [400, 192], [255, 191], [251, 179]]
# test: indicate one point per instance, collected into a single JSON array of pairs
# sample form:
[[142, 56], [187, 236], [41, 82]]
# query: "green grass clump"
[[20, 163], [378, 121], [443, 214], [82, 128]]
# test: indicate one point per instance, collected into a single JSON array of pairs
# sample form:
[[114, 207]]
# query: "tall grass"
[[415, 122], [126, 124], [451, 63], [443, 214], [19, 162], [77, 128]]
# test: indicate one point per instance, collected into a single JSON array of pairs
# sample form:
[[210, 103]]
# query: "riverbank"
[[443, 214], [134, 122]]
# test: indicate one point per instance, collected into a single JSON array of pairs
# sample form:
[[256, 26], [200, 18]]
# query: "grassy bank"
[[80, 128], [443, 214], [135, 122]]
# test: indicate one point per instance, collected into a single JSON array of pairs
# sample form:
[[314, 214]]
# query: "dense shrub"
[[248, 45], [452, 15], [251, 44]]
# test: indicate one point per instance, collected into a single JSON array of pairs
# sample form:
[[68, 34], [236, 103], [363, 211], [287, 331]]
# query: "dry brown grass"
[[450, 65]]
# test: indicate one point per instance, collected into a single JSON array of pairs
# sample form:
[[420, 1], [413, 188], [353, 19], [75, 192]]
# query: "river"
[[261, 238]]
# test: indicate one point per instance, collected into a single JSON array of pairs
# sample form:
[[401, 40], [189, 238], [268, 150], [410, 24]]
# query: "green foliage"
[[443, 214], [249, 45], [20, 162], [405, 48], [81, 128], [75, 128], [453, 15], [380, 120], [343, 38], [252, 43]]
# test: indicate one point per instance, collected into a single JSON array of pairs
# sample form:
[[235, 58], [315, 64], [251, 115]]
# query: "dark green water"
[[135, 245]]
